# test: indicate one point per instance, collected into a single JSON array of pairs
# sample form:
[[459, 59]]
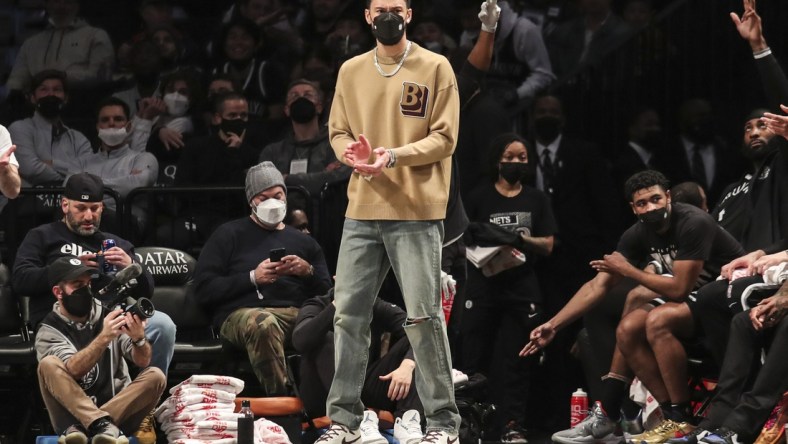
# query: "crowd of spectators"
[[194, 94]]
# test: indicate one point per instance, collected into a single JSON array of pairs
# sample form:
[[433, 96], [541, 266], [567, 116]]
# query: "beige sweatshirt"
[[415, 113]]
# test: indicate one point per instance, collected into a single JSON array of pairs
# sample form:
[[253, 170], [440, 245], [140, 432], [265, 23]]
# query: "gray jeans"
[[367, 252]]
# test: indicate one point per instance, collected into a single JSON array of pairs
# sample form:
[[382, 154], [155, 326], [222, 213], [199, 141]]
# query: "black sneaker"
[[103, 431], [722, 435], [74, 434]]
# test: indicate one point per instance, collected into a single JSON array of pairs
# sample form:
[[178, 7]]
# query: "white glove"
[[490, 11]]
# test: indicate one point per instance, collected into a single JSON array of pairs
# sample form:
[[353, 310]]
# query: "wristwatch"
[[141, 342]]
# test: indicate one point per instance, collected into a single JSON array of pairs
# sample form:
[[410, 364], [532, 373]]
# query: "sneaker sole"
[[73, 438], [414, 440], [106, 439], [375, 440]]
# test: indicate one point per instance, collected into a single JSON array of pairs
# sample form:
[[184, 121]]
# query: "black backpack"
[[474, 409]]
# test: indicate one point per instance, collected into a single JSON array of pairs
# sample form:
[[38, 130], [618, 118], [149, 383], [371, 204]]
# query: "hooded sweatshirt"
[[80, 50]]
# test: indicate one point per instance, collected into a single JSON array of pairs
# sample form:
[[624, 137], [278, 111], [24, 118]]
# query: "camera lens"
[[146, 307], [143, 308]]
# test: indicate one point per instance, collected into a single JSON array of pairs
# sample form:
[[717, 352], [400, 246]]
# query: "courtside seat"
[[197, 347], [16, 346], [23, 415]]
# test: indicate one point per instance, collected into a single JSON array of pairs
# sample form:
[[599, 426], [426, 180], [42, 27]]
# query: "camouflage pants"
[[265, 334]]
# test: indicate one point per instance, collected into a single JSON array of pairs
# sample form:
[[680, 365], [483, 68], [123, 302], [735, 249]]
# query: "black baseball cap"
[[84, 187], [66, 268]]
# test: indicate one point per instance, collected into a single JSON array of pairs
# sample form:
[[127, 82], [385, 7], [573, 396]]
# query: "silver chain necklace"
[[399, 65]]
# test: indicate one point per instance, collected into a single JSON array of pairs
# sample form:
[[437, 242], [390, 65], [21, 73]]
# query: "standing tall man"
[[397, 198]]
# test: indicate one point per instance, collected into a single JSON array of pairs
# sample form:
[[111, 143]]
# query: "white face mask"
[[271, 212], [113, 136], [177, 104]]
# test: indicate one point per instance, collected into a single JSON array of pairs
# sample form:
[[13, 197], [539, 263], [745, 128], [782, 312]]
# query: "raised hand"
[[776, 123], [749, 26], [489, 14]]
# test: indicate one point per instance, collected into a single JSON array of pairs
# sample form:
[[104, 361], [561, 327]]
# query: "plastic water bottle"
[[246, 423], [578, 406]]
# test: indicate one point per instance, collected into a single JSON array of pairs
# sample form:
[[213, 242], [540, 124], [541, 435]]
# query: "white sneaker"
[[407, 429], [339, 434], [458, 378], [370, 432], [440, 437]]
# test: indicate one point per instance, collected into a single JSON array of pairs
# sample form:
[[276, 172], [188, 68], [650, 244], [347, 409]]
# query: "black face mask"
[[388, 28], [513, 172], [50, 106], [547, 128], [302, 110], [235, 126], [654, 219], [79, 302]]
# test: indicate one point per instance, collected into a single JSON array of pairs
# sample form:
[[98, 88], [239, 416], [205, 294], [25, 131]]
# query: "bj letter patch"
[[414, 100]]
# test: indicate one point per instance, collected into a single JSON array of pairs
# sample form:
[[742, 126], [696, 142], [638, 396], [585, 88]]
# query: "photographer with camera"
[[254, 273], [81, 346]]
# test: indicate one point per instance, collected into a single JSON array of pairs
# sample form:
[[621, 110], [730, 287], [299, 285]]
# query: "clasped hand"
[[358, 153], [769, 312]]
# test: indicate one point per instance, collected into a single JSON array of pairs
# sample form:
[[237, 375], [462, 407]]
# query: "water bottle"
[[578, 406], [246, 424]]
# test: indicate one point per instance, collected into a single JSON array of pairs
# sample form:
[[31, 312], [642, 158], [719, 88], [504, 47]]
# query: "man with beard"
[[734, 209], [684, 248], [399, 142], [48, 150], [81, 346]]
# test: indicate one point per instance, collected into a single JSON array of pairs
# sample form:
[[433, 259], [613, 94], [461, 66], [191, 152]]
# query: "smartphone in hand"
[[276, 254]]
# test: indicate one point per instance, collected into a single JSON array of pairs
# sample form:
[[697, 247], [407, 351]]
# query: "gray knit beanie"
[[262, 177]]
